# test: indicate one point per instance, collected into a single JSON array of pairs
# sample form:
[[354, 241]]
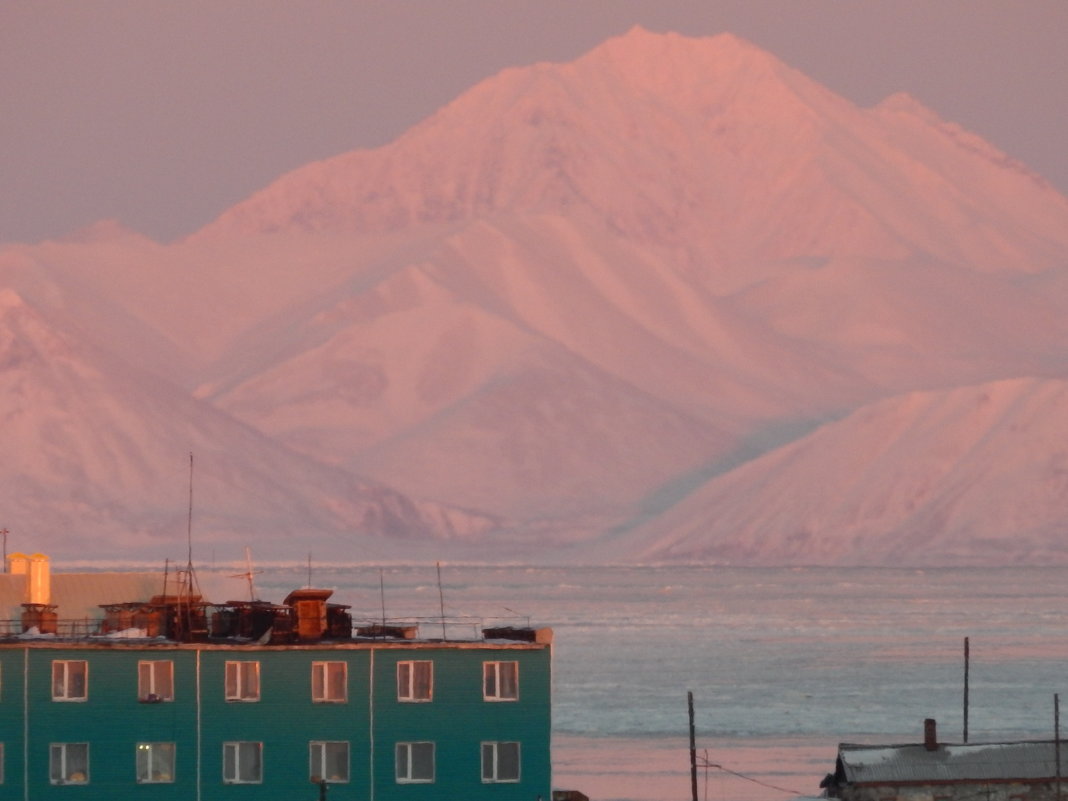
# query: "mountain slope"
[[97, 449], [974, 475]]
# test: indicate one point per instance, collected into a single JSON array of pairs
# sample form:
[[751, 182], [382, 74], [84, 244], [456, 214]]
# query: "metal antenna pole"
[[4, 532], [382, 598], [441, 598]]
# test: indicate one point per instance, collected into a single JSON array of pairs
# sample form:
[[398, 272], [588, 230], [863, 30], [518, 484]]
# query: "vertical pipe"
[[966, 661], [693, 749]]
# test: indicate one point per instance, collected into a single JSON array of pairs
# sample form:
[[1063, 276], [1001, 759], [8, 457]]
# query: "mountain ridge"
[[566, 316]]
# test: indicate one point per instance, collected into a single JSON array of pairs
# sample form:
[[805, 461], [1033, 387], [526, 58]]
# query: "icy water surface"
[[783, 663]]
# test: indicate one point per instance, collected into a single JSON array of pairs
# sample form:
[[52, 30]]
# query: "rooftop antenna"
[[187, 581], [189, 519], [382, 596], [248, 574], [309, 570], [4, 532], [441, 599]]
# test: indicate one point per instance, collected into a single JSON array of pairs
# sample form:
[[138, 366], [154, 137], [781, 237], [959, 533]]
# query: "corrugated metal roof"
[[899, 764], [78, 596]]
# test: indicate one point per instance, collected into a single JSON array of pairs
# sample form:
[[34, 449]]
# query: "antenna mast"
[[189, 519], [249, 574], [188, 591], [441, 599]]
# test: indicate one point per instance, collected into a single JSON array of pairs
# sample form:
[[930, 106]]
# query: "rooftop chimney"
[[930, 734], [39, 585], [18, 564]]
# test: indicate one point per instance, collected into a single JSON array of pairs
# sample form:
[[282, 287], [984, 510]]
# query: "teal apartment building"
[[176, 699]]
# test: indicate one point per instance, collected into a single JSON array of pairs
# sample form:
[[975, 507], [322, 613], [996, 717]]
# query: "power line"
[[706, 764]]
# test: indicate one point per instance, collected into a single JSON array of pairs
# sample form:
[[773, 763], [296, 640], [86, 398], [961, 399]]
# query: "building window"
[[415, 681], [500, 681], [329, 682], [155, 680], [243, 763], [242, 681], [70, 680], [328, 761], [500, 762], [155, 763], [69, 763], [415, 762]]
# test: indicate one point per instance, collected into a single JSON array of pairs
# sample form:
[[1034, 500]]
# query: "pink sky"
[[162, 115]]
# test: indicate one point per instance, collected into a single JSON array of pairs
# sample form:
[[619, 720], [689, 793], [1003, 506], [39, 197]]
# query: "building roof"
[[915, 764], [78, 596]]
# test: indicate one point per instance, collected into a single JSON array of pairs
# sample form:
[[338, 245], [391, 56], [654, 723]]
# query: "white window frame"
[[491, 762], [322, 692], [154, 763], [236, 747], [492, 686], [150, 685], [403, 756], [242, 681], [317, 760], [63, 678], [408, 686], [59, 772]]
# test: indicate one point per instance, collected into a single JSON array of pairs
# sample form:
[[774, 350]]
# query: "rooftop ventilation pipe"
[[930, 734]]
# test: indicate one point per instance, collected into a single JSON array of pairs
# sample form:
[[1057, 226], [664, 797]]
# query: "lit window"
[[70, 680], [155, 763], [500, 681], [242, 763], [155, 680], [242, 681], [69, 763], [329, 682], [500, 762], [328, 761], [415, 681], [415, 762]]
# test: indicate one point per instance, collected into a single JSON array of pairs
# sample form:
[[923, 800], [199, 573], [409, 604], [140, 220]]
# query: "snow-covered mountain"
[[644, 305], [971, 475]]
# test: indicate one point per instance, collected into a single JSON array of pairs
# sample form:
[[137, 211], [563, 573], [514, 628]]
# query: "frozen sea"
[[784, 663]]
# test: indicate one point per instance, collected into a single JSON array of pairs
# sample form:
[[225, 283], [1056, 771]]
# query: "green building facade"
[[376, 719]]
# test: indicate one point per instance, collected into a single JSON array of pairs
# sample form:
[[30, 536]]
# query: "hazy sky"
[[163, 114]]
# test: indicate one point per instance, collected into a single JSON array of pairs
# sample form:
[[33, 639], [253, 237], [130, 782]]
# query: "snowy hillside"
[[673, 300], [973, 475]]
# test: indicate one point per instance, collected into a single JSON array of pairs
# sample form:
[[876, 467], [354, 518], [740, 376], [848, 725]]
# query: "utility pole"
[[1057, 739], [4, 532], [693, 749], [966, 660]]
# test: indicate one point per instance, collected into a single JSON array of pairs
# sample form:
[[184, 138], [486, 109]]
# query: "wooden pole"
[[693, 749], [966, 660], [1057, 740]]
